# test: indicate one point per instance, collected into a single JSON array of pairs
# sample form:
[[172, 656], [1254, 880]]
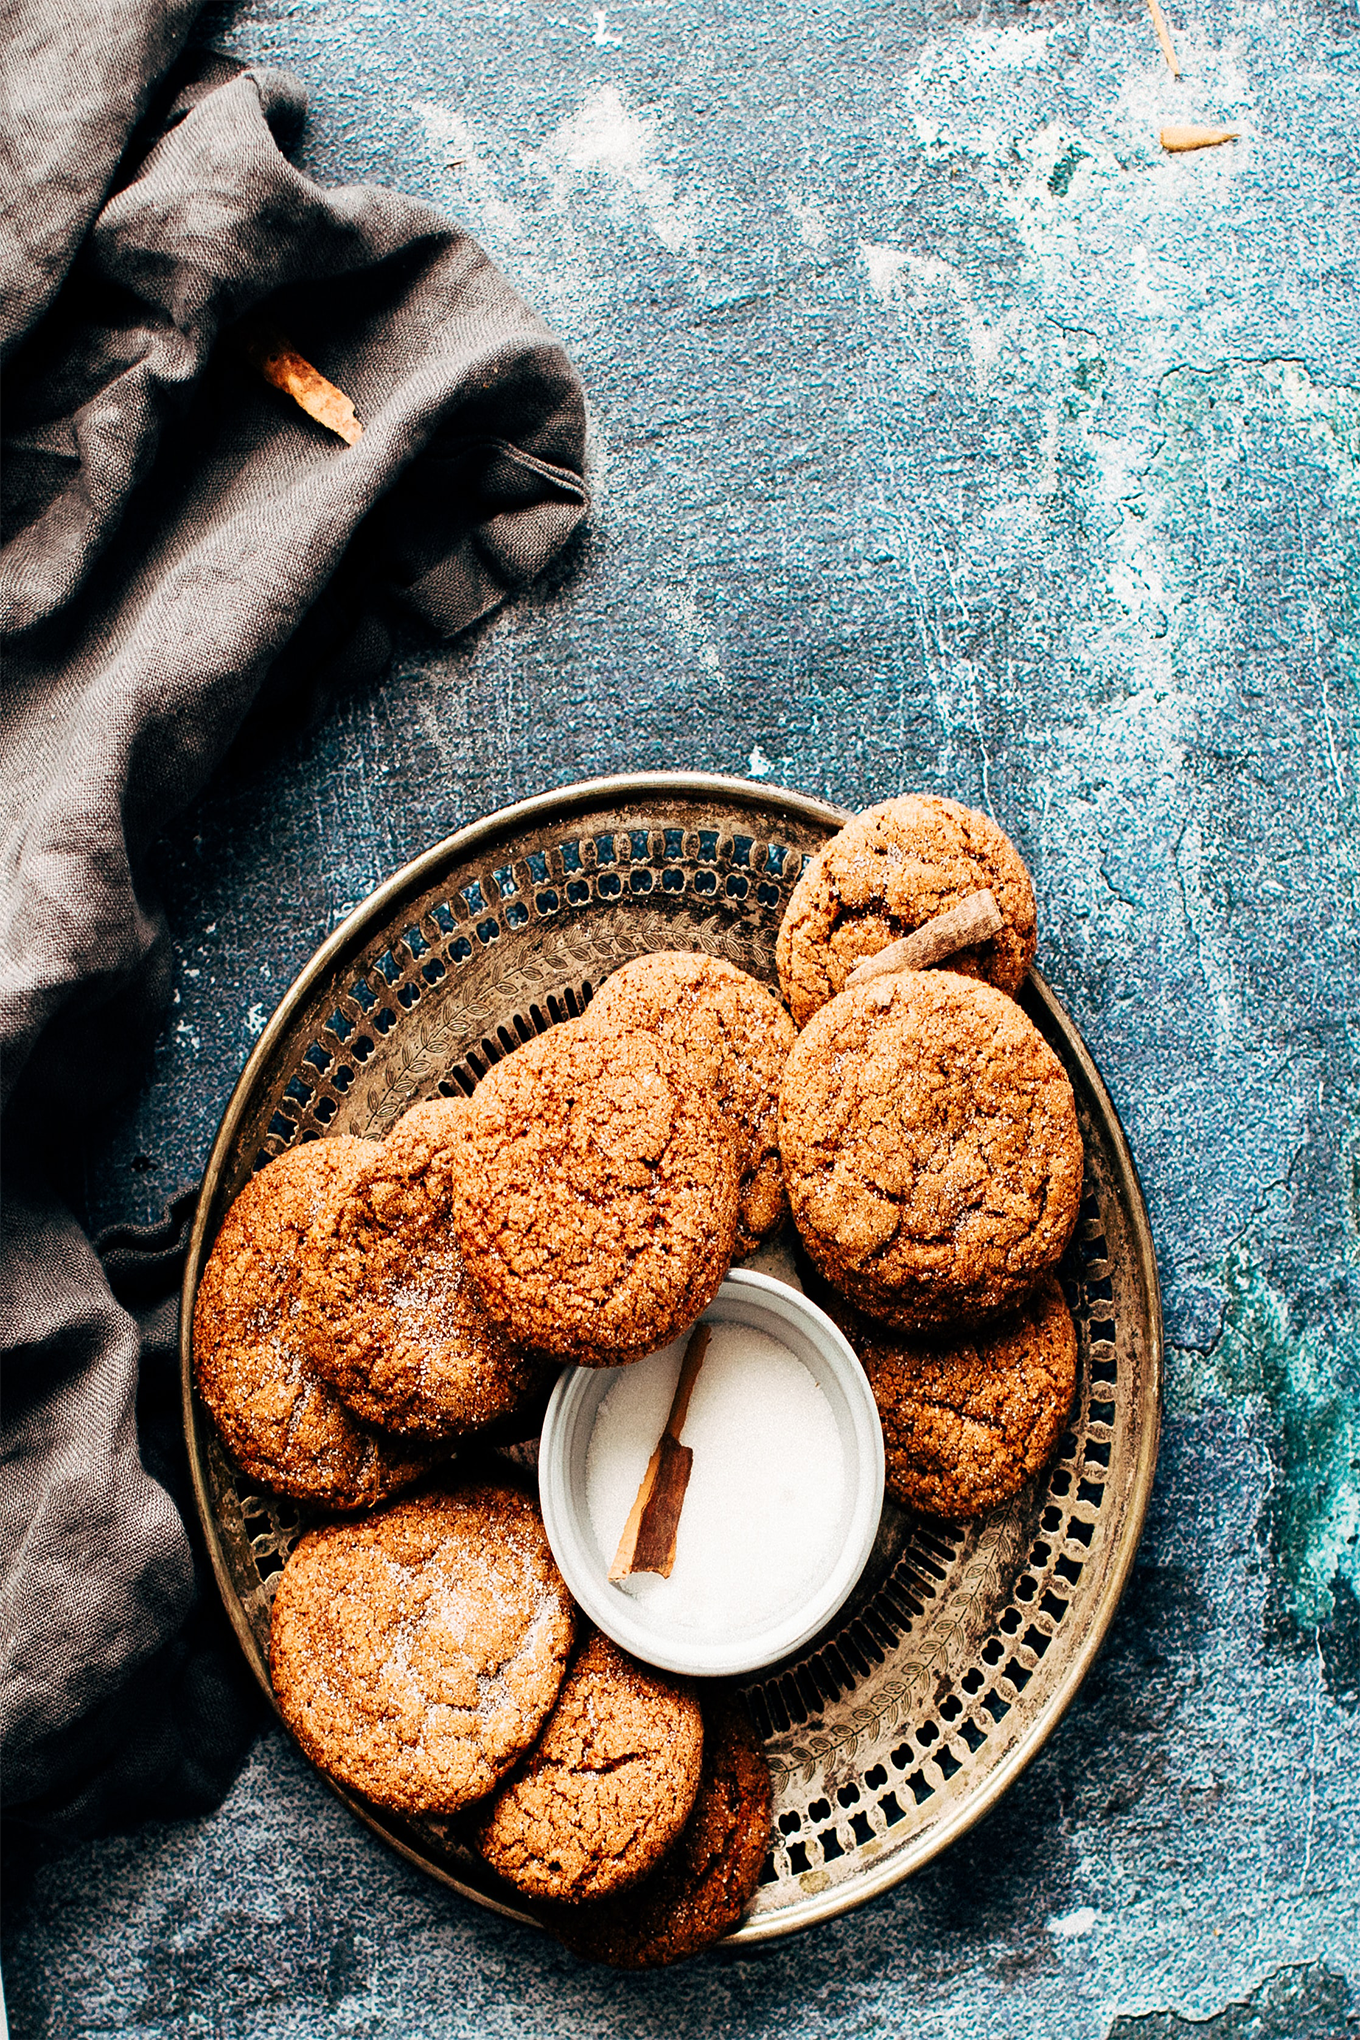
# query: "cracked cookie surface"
[[735, 1036], [931, 1149], [968, 1421], [595, 1195], [608, 1788], [278, 1417], [416, 1654], [393, 1320], [702, 1887], [891, 868]]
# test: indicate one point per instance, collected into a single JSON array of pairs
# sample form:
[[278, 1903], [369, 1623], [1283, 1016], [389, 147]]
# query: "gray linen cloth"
[[180, 543]]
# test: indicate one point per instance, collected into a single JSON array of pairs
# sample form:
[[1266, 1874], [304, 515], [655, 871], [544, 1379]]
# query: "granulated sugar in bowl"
[[765, 1493], [784, 1492]]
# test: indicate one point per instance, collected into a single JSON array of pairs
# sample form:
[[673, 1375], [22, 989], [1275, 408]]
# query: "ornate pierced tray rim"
[[357, 927]]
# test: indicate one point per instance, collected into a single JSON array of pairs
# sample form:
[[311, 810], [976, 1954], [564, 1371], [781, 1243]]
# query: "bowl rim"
[[611, 1612]]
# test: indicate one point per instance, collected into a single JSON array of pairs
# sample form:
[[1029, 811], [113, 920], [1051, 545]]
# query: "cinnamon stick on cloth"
[[280, 364], [175, 537]]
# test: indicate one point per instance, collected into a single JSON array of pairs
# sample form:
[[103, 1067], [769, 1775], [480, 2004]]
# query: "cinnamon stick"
[[973, 920], [1164, 37], [1175, 139], [648, 1540], [280, 364]]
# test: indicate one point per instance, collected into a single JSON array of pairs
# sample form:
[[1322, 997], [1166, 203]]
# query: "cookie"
[[931, 1149], [393, 1321], [608, 1788], [416, 1654], [890, 869], [277, 1416], [736, 1037], [595, 1195], [705, 1884], [968, 1421]]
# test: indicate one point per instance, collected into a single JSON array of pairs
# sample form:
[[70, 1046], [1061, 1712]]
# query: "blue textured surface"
[[947, 435]]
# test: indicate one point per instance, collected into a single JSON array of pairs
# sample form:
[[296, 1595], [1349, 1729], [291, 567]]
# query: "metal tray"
[[963, 1645]]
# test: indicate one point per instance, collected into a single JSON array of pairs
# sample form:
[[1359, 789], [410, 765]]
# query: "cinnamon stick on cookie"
[[888, 872], [975, 919]]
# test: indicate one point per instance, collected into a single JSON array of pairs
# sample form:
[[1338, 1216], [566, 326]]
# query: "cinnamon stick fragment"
[[1164, 37], [1175, 139], [973, 920], [648, 1540], [280, 364]]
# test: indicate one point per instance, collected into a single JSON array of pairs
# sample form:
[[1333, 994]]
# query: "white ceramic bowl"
[[746, 1298]]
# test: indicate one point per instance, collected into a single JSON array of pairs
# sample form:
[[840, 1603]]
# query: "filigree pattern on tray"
[[962, 1644]]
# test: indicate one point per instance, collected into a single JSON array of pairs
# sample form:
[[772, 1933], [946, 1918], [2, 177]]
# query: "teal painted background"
[[946, 434]]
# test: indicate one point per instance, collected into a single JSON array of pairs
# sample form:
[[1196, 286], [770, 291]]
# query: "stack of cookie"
[[430, 1658], [931, 1152], [605, 1175], [369, 1307]]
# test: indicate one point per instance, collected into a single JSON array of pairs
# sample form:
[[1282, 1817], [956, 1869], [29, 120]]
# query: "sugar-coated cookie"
[[890, 869], [735, 1036], [931, 1149], [393, 1321], [595, 1195], [608, 1788], [967, 1421], [278, 1417], [416, 1654]]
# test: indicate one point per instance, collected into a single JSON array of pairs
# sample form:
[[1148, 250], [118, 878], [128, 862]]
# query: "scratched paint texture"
[[946, 434]]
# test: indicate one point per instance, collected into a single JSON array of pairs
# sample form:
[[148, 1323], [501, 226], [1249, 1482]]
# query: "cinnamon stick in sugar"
[[973, 920], [648, 1540]]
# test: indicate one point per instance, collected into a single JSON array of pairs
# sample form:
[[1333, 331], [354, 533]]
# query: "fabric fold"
[[180, 544]]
